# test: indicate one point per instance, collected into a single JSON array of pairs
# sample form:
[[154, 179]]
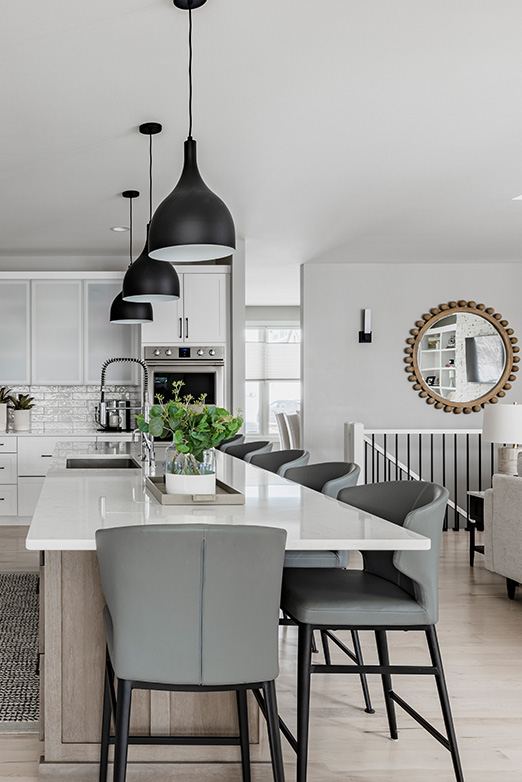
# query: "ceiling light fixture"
[[192, 223], [148, 279], [119, 228], [130, 312]]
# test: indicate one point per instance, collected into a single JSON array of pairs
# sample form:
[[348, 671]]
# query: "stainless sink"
[[103, 463]]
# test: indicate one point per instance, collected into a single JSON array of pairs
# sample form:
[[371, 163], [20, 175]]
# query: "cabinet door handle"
[[2, 468], [46, 455], [2, 499], [186, 328], [180, 328]]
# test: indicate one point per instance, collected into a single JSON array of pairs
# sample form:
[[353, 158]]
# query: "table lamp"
[[503, 424]]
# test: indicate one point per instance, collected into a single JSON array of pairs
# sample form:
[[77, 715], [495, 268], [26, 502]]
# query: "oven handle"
[[176, 363]]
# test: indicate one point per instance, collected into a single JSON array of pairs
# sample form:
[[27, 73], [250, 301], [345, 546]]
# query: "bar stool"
[[236, 440], [247, 450], [281, 461], [329, 478], [190, 607], [284, 434], [395, 591]]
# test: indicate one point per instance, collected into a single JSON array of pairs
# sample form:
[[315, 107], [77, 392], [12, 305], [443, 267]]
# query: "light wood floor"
[[481, 641]]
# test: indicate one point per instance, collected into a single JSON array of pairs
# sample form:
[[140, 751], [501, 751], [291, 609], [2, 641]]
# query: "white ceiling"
[[345, 131]]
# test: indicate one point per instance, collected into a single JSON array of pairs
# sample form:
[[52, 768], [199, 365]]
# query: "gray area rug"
[[19, 681]]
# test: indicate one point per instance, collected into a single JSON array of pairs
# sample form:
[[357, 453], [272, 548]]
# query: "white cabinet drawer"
[[8, 444], [8, 504], [35, 453], [7, 468], [28, 494]]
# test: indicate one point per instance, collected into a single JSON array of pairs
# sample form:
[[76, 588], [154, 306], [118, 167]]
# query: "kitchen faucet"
[[101, 409]]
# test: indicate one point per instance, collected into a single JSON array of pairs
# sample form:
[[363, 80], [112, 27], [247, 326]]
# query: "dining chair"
[[294, 429], [236, 440], [245, 451], [281, 461], [284, 434], [190, 608], [394, 591]]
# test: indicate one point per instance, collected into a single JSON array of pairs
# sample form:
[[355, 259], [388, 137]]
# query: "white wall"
[[344, 380]]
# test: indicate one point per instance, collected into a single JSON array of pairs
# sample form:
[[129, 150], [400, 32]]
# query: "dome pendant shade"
[[192, 223], [130, 312], [148, 280]]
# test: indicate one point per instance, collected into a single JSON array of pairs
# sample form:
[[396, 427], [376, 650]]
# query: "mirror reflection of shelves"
[[436, 357]]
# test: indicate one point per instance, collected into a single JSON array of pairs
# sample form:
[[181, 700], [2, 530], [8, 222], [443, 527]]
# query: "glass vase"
[[184, 474]]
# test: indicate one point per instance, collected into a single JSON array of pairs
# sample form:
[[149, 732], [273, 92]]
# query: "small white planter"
[[190, 484], [22, 420], [3, 416]]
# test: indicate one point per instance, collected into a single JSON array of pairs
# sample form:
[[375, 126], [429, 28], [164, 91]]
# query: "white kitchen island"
[[74, 503]]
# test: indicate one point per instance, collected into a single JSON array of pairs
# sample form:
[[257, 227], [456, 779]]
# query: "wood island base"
[[72, 647]]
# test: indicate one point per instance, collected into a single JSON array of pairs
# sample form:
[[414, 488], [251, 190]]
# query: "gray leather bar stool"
[[281, 461], [395, 591], [190, 607], [237, 440], [329, 478], [247, 450]]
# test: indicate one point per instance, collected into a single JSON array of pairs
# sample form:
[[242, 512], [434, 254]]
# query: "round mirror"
[[461, 356]]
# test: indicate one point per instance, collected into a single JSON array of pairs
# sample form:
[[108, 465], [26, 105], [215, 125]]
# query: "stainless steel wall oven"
[[201, 368]]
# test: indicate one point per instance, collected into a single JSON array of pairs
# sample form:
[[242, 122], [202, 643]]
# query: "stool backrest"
[[193, 603], [415, 505], [240, 451], [284, 435], [294, 429], [236, 440], [278, 460], [326, 477]]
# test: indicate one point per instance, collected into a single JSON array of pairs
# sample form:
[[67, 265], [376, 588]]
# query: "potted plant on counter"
[[5, 400], [196, 429], [22, 405]]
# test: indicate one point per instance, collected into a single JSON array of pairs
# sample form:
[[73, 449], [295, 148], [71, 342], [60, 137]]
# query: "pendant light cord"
[[150, 178], [130, 231], [190, 69]]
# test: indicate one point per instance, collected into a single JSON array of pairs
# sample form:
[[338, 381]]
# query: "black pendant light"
[[192, 223], [148, 280], [130, 312]]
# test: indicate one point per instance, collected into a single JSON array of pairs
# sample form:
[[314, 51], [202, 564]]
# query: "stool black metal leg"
[[274, 737], [106, 728], [511, 587], [303, 699], [242, 718], [364, 681], [326, 648], [314, 645], [384, 659], [436, 660], [121, 743]]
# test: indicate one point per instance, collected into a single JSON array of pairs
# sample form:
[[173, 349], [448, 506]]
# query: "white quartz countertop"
[[74, 503]]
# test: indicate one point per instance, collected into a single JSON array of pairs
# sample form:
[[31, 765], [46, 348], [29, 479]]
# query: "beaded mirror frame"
[[490, 397]]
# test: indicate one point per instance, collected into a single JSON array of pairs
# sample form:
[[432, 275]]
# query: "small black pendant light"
[[129, 312], [148, 280], [192, 223]]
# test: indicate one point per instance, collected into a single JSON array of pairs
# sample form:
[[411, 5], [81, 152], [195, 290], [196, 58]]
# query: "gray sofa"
[[503, 529]]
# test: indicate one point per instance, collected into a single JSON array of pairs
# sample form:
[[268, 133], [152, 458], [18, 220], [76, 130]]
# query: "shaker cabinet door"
[[205, 308], [14, 351], [167, 326], [57, 354]]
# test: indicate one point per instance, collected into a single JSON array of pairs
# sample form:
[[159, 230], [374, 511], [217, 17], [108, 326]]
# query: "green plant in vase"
[[195, 427], [22, 405], [5, 400]]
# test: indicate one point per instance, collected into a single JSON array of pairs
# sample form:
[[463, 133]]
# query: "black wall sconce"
[[366, 334]]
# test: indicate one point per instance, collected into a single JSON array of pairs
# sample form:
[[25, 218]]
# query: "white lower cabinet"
[[8, 468], [8, 500], [28, 494]]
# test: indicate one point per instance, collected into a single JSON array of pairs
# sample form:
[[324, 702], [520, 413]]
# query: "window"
[[273, 376]]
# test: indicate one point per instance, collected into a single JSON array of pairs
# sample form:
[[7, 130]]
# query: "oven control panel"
[[192, 353]]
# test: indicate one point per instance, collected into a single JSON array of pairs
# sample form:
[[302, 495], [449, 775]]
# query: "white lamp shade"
[[502, 424]]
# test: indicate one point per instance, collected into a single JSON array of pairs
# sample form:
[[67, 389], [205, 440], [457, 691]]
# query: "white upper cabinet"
[[14, 351], [198, 317], [57, 349], [105, 339]]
